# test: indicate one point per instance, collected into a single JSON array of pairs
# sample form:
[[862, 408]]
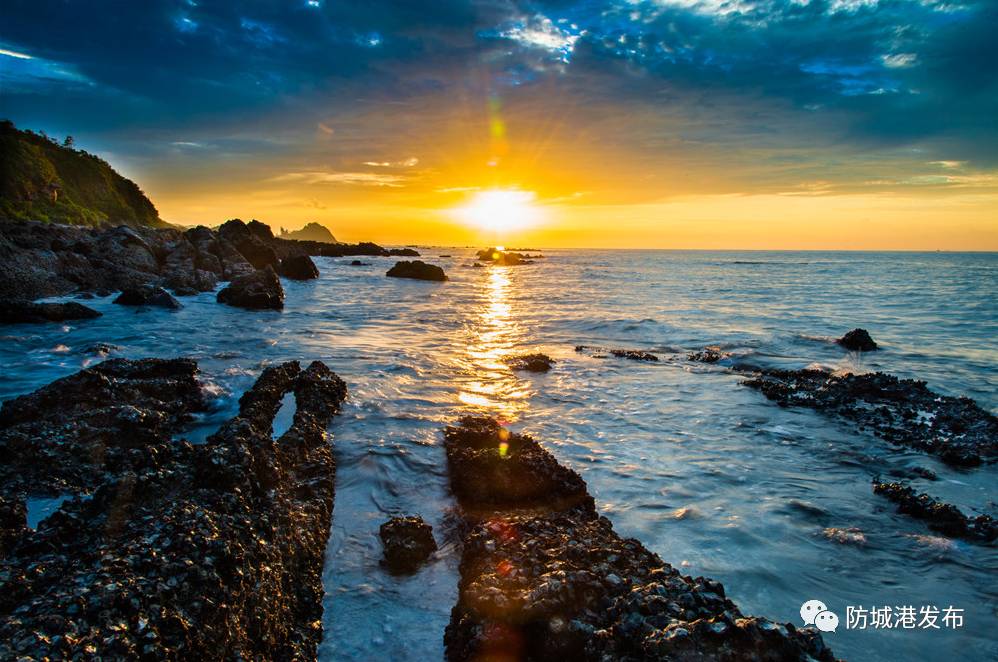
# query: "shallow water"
[[775, 503]]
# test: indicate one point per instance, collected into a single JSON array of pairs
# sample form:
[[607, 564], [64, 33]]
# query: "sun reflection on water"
[[492, 388]]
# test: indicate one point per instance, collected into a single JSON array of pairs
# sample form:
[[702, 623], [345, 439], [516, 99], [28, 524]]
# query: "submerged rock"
[[259, 290], [710, 354], [901, 411], [183, 552], [147, 295], [530, 362], [601, 352], [857, 340], [27, 312], [417, 269], [544, 577], [408, 542], [299, 267], [358, 263], [942, 517]]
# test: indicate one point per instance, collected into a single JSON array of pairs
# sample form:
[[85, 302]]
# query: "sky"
[[797, 124]]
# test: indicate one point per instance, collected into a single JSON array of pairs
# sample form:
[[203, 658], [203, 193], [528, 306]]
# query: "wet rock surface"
[[147, 295], [260, 290], [408, 542], [27, 312], [544, 577], [942, 517], [502, 257], [299, 267], [39, 259], [530, 362], [194, 552], [418, 270], [858, 340], [710, 354], [901, 411], [602, 352]]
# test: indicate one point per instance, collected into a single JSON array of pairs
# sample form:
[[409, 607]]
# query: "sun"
[[501, 210]]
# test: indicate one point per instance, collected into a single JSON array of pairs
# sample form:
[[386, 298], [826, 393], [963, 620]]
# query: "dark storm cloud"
[[870, 74]]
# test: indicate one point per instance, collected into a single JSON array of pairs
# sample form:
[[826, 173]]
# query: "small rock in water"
[[417, 269], [358, 263], [147, 295], [530, 362], [601, 352], [857, 340], [707, 355], [299, 267], [942, 517], [257, 291], [26, 312], [408, 542]]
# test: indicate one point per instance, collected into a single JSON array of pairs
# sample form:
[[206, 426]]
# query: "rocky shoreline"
[[169, 550], [543, 576], [40, 260]]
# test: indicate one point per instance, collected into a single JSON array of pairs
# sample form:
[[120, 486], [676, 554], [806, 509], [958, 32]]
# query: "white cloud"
[[349, 178], [899, 60]]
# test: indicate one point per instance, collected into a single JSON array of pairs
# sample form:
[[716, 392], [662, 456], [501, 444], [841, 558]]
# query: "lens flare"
[[501, 210]]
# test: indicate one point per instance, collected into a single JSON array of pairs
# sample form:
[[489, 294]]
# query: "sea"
[[776, 503]]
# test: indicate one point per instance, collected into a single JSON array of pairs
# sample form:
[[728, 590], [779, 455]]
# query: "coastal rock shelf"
[[901, 411], [544, 577], [942, 517], [181, 551]]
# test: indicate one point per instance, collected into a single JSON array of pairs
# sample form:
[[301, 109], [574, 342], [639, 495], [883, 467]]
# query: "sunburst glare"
[[501, 210]]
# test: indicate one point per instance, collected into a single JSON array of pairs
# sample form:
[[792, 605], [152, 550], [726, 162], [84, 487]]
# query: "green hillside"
[[41, 180]]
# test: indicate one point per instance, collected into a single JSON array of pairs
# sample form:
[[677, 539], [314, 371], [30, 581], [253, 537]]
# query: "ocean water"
[[776, 503]]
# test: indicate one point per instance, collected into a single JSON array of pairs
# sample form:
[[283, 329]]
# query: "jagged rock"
[[857, 340], [258, 290], [942, 517], [901, 411], [544, 577], [601, 352], [13, 522], [530, 362], [147, 295], [26, 312], [709, 354], [199, 552], [408, 542], [417, 269], [251, 242], [299, 267]]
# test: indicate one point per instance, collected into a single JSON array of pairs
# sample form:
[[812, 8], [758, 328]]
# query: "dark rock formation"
[[502, 257], [408, 542], [13, 522], [299, 267], [601, 352], [942, 517], [857, 340], [901, 411], [184, 552], [530, 362], [417, 269], [403, 252], [358, 263], [710, 354], [38, 260], [311, 232], [544, 577], [26, 312], [258, 291], [147, 295]]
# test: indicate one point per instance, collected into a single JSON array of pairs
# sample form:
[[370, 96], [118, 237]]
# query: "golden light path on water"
[[492, 337]]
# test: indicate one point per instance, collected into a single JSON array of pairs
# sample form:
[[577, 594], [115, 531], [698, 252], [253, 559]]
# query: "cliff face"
[[41, 180], [311, 232]]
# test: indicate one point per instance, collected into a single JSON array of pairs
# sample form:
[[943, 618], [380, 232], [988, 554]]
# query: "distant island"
[[311, 232], [49, 181]]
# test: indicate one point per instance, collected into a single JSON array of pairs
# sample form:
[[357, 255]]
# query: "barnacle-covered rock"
[[408, 542]]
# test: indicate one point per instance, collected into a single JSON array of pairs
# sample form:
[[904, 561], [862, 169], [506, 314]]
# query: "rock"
[[709, 354], [13, 522], [418, 270], [311, 232], [544, 577], [258, 290], [942, 517], [530, 362], [147, 295], [857, 340], [601, 352], [212, 551], [403, 252], [27, 312], [101, 349], [408, 542], [502, 257], [299, 267], [902, 411], [358, 263], [251, 242]]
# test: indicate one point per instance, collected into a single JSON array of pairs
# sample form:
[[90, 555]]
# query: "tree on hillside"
[[68, 142]]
